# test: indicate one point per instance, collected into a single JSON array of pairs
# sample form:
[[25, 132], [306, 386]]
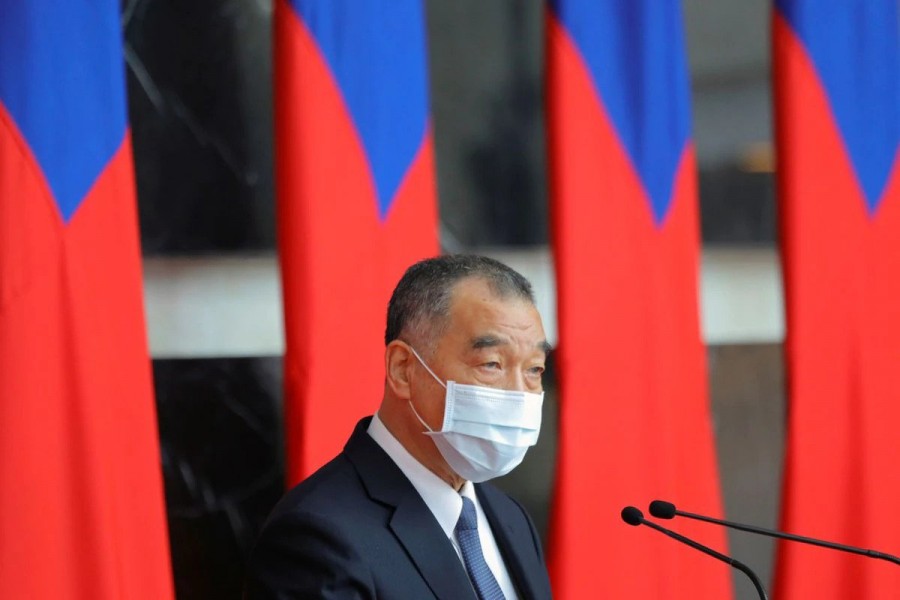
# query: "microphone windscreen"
[[632, 516], [662, 509]]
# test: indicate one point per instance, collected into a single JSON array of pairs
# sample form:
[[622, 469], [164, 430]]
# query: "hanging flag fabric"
[[82, 513], [634, 412], [837, 101], [356, 203]]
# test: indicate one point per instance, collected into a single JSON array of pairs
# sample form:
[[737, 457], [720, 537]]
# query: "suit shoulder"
[[320, 492]]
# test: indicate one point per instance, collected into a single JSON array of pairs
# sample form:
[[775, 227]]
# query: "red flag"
[[82, 512], [634, 413], [356, 203], [837, 91]]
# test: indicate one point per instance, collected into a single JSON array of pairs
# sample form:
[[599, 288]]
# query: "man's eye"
[[536, 370], [491, 365]]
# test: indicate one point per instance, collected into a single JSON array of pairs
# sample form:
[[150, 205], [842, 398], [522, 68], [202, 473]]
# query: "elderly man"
[[402, 512]]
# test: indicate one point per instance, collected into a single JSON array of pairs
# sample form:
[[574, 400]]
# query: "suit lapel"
[[516, 545], [412, 522], [426, 543]]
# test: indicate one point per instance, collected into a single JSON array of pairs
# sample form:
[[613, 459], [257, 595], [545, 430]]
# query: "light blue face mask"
[[486, 432]]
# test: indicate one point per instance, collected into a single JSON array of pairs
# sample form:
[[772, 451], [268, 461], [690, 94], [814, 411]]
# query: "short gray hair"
[[420, 303]]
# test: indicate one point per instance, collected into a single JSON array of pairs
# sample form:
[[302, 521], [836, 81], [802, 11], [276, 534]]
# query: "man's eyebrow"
[[491, 341], [487, 341]]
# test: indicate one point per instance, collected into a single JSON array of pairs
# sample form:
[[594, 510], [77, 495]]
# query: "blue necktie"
[[467, 535]]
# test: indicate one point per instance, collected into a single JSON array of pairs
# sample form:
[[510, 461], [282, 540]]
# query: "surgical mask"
[[486, 432]]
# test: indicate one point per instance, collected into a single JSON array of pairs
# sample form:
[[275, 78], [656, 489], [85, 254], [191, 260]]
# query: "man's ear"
[[397, 367]]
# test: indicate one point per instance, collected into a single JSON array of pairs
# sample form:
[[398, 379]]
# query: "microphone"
[[635, 517], [666, 510]]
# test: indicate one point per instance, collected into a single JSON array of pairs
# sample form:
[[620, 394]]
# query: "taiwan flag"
[[634, 410], [356, 203], [837, 101], [82, 513]]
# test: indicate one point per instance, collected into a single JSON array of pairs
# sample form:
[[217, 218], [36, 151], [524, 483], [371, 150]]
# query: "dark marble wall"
[[486, 62], [747, 391], [737, 206], [200, 102], [223, 464]]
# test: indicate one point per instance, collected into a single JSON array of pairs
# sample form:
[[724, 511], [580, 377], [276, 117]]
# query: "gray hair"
[[420, 303]]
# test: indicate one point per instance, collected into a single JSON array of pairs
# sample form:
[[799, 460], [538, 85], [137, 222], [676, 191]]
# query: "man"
[[401, 512]]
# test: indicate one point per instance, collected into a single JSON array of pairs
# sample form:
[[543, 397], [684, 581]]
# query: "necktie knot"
[[468, 519]]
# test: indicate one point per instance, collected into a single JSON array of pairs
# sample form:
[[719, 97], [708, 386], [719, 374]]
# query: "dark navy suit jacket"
[[357, 528]]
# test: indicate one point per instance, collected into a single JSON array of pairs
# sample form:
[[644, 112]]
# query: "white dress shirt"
[[445, 503]]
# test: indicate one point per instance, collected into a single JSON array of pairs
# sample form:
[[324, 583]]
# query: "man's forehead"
[[475, 289], [478, 310]]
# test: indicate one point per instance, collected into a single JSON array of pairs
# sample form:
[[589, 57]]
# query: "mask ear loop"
[[427, 368], [424, 424], [436, 378]]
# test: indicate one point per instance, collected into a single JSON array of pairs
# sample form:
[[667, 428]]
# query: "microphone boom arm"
[[709, 551], [635, 517], [792, 537]]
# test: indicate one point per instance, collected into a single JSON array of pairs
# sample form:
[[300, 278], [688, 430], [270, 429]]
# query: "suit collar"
[[412, 523]]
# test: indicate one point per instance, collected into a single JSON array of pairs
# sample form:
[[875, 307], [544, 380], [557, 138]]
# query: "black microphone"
[[666, 510], [633, 516]]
